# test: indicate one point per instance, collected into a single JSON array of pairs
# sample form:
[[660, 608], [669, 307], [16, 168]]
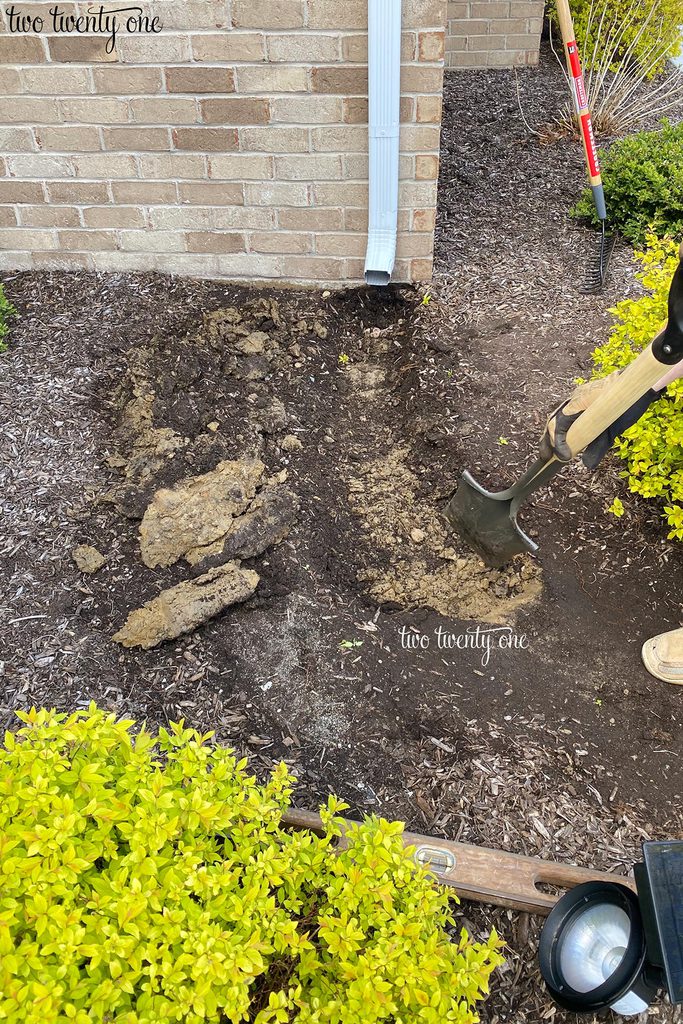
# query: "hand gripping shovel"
[[487, 520]]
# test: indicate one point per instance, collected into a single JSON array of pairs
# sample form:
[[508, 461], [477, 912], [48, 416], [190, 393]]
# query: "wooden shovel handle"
[[632, 383], [485, 875]]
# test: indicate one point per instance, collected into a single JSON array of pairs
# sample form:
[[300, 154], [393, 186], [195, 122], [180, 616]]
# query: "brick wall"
[[493, 33], [233, 144]]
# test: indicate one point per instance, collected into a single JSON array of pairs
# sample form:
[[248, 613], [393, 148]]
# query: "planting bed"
[[350, 417]]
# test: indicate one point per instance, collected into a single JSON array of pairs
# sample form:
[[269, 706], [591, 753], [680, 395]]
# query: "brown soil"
[[117, 385]]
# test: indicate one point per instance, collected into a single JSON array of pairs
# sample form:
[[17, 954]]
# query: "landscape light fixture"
[[603, 946]]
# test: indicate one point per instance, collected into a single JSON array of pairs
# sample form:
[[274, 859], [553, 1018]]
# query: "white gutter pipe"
[[384, 95]]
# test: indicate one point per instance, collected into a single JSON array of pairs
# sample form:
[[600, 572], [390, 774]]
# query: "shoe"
[[663, 656]]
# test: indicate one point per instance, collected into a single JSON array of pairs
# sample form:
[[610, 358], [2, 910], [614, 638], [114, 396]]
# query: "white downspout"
[[384, 95]]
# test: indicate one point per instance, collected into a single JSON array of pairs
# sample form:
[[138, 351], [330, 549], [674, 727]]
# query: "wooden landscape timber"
[[485, 875]]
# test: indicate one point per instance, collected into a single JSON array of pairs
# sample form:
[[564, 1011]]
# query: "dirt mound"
[[422, 564]]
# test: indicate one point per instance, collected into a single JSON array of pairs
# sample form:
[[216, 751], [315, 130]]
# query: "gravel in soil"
[[377, 655]]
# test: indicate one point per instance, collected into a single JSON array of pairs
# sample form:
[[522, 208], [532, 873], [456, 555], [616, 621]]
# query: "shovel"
[[487, 520]]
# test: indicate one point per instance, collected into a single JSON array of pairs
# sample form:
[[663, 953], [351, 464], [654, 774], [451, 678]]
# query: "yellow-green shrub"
[[627, 29], [653, 448], [150, 879], [7, 311]]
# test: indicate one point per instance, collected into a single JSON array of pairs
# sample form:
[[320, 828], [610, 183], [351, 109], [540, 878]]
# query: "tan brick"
[[411, 244], [174, 166], [526, 9], [312, 110], [159, 49], [306, 48], [200, 80], [272, 78], [417, 193], [470, 27], [148, 193], [77, 192], [312, 268], [235, 110], [507, 26], [105, 165], [420, 137], [180, 218], [489, 9], [280, 242], [20, 238], [68, 140], [133, 140], [241, 167], [340, 80], [423, 220], [87, 241], [481, 43], [431, 46], [346, 244], [16, 140], [8, 217], [426, 168], [276, 193], [94, 110], [329, 14], [425, 14], [311, 219], [165, 110], [40, 165], [78, 49], [421, 80], [49, 217], [356, 166], [268, 14], [212, 193], [16, 260], [356, 110], [308, 167], [229, 46], [345, 138], [26, 110], [341, 193], [124, 81], [10, 82], [242, 217], [206, 140], [518, 42], [194, 14], [21, 50], [113, 217], [355, 219], [355, 47], [214, 241], [21, 192], [246, 266], [152, 241], [56, 81], [421, 270], [457, 12], [428, 110], [468, 60], [275, 140], [61, 261]]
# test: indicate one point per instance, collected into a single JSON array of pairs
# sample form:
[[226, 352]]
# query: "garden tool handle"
[[635, 379], [580, 97]]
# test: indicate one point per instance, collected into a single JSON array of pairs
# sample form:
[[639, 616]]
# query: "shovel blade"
[[487, 522]]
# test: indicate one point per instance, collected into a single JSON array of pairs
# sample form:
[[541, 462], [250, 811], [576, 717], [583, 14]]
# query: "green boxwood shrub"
[[643, 179], [619, 22], [652, 449], [150, 879], [7, 311]]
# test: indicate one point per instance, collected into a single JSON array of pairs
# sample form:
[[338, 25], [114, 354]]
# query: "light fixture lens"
[[592, 950]]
